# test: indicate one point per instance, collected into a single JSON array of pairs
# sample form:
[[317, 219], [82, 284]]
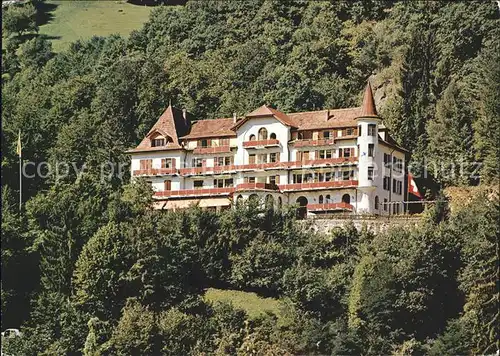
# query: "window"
[[198, 184], [370, 173], [387, 183], [223, 161], [371, 148], [376, 203], [397, 187], [158, 142], [146, 163], [326, 134], [251, 159], [167, 162], [252, 138], [320, 200], [197, 162], [345, 175], [327, 198], [359, 130], [250, 179], [349, 131], [204, 143], [397, 164], [223, 183], [262, 158], [273, 136], [385, 204], [297, 178], [167, 185], [372, 129], [387, 159], [274, 180], [346, 152], [328, 176], [274, 157], [322, 154], [263, 134]]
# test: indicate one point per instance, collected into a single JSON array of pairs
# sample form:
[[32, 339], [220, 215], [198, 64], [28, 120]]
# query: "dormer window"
[[273, 136], [158, 142]]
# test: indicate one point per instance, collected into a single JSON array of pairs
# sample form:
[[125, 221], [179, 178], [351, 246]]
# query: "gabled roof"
[[264, 111], [172, 124], [325, 119], [368, 107], [211, 128]]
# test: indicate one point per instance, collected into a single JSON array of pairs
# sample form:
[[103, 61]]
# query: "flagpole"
[[19, 151], [20, 181]]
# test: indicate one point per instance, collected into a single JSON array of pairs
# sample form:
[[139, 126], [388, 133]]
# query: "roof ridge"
[[315, 111]]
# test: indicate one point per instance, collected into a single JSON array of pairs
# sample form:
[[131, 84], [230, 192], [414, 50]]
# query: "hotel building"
[[326, 161]]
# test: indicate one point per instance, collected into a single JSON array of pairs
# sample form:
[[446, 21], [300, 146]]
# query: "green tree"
[[19, 19]]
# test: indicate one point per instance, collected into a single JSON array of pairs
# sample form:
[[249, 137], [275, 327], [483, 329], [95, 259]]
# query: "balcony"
[[346, 137], [155, 172], [194, 192], [261, 143], [256, 186], [319, 185], [330, 207], [313, 143], [325, 161], [211, 150]]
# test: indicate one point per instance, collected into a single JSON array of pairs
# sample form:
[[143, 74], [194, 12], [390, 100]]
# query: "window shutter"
[[340, 153], [204, 163], [299, 156], [277, 157], [168, 185], [251, 159], [277, 179], [173, 163]]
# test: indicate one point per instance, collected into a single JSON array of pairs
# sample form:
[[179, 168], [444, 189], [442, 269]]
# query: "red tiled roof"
[[172, 124], [369, 109], [312, 120], [265, 110], [211, 128]]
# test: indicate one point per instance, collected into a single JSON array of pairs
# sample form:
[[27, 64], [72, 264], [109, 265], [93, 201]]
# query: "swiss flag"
[[412, 187]]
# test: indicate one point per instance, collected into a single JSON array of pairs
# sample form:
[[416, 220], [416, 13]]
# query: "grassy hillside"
[[68, 21], [250, 302]]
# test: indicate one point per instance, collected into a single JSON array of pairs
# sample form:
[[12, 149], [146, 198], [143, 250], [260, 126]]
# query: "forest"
[[88, 268]]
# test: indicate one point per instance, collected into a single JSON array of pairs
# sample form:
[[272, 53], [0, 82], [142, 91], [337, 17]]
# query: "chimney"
[[327, 115], [234, 118]]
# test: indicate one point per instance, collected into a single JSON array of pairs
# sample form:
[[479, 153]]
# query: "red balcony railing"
[[155, 171], [326, 161], [330, 206], [346, 137], [312, 143], [261, 143], [194, 192], [264, 166], [257, 186], [210, 150], [318, 185]]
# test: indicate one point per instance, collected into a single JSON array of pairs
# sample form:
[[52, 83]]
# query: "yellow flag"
[[18, 149]]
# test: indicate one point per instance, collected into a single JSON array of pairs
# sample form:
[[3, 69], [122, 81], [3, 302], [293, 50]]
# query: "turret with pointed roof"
[[368, 108]]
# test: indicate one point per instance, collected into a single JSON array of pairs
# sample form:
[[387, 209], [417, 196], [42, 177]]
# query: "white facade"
[[326, 175]]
